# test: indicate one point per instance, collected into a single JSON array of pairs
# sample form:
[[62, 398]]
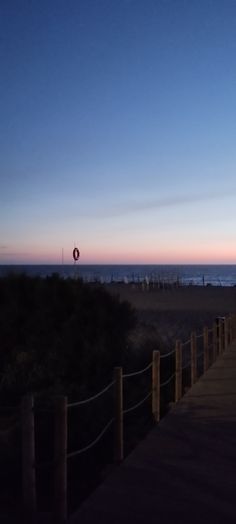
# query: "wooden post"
[[233, 326], [156, 385], [206, 349], [214, 337], [178, 370], [193, 358], [226, 333], [28, 459], [220, 348], [230, 329], [60, 459], [223, 334], [118, 416]]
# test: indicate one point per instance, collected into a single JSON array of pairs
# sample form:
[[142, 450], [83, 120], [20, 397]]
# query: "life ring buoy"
[[76, 254]]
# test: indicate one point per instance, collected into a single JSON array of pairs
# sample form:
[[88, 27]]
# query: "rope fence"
[[186, 365], [214, 342], [186, 343], [136, 373], [92, 444], [167, 381], [132, 408], [200, 335], [165, 355], [90, 399]]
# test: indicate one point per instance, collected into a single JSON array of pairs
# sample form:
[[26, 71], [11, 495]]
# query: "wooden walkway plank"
[[185, 469]]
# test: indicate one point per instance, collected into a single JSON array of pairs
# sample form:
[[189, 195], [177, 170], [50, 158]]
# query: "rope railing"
[[186, 343], [140, 372], [90, 399], [93, 443], [167, 381], [221, 335], [132, 408], [200, 335], [165, 355], [187, 365]]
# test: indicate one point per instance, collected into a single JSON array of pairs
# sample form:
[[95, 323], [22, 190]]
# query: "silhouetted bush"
[[59, 335]]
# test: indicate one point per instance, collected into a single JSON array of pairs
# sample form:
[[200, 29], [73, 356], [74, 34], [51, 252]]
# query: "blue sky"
[[117, 130]]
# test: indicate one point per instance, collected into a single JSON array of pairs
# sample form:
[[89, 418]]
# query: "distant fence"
[[194, 355], [151, 280]]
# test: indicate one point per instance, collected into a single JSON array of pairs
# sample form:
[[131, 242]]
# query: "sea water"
[[216, 275]]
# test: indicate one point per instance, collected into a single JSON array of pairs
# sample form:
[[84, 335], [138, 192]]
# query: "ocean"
[[216, 275]]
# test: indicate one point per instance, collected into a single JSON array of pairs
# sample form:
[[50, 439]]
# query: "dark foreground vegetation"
[[63, 337], [59, 336]]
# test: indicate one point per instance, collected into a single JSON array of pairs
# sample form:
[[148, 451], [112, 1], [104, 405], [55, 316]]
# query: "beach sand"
[[173, 313]]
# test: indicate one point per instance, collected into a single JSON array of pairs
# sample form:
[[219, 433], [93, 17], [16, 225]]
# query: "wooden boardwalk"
[[185, 470]]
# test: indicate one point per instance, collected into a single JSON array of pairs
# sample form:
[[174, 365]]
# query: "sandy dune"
[[173, 313]]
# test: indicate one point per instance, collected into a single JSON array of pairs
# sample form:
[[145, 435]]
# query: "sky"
[[118, 131]]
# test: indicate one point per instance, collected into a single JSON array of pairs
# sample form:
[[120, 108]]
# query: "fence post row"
[[233, 317], [60, 460], [223, 333], [226, 332], [193, 358], [220, 331], [178, 370], [156, 385], [118, 415], [214, 339], [230, 328], [28, 458], [220, 349], [206, 349]]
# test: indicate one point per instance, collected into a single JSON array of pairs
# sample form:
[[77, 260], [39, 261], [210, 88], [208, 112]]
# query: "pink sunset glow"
[[195, 255]]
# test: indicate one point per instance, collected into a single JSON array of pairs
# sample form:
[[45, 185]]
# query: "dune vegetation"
[[59, 336]]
